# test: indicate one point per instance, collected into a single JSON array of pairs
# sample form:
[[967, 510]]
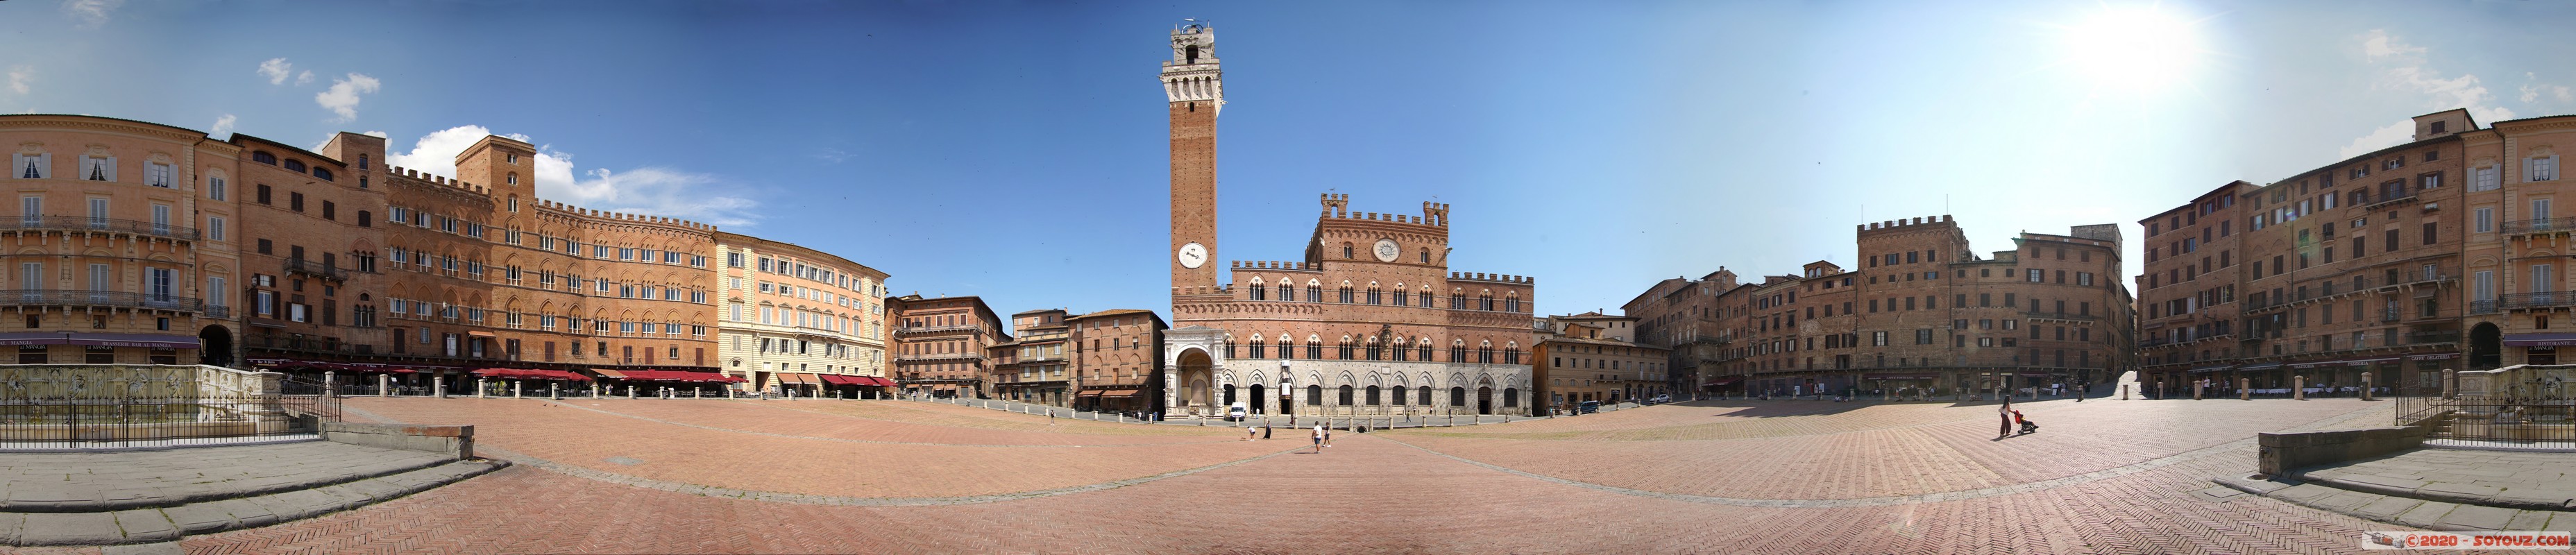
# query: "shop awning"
[[2368, 361], [2539, 339], [146, 340], [2260, 366], [2434, 356], [2208, 369], [607, 373], [481, 334], [673, 376], [34, 338], [1899, 377], [1090, 393], [880, 382], [529, 374], [1119, 393], [794, 378], [837, 379], [379, 368], [2315, 363], [1723, 380]]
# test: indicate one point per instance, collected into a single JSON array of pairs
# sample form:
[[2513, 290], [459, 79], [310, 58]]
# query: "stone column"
[[384, 385], [630, 392], [481, 385], [2245, 389], [2299, 388], [2124, 392], [2365, 386], [514, 389], [555, 389], [2198, 387], [2449, 377], [439, 383], [331, 384]]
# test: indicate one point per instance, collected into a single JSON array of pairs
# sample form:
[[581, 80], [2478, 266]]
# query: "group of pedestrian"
[[1250, 433]]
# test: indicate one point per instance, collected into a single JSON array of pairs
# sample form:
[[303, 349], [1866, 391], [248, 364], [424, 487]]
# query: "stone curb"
[[156, 525], [96, 505], [2337, 481], [2401, 510]]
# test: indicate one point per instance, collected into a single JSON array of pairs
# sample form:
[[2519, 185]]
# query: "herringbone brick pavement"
[[1372, 493]]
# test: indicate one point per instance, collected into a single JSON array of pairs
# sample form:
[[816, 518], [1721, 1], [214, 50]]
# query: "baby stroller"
[[2027, 427]]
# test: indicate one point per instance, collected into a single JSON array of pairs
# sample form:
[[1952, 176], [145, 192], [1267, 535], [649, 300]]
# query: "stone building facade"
[[1035, 366], [795, 318], [1118, 360], [1921, 315], [943, 345], [124, 243], [1369, 322], [1594, 357], [2439, 253]]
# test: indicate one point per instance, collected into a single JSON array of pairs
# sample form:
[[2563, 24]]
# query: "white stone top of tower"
[[1192, 74]]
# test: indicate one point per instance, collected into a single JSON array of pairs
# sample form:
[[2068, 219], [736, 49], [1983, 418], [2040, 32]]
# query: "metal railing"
[[307, 267], [2059, 315], [2417, 337], [2485, 307], [111, 423], [84, 223], [2548, 299], [2540, 225], [64, 297]]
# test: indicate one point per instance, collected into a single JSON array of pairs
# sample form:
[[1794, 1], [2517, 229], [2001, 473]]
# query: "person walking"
[[2007, 413], [1265, 428], [1318, 438], [1328, 437]]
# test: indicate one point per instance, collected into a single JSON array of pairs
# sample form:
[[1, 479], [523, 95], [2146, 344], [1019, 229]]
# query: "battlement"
[[1274, 265], [461, 185], [1497, 278], [1337, 207], [440, 180], [1904, 223]]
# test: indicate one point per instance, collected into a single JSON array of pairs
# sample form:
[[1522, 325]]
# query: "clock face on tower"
[[1192, 255], [1386, 250]]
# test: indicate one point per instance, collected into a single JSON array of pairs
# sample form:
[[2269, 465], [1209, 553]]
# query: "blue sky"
[[1016, 150]]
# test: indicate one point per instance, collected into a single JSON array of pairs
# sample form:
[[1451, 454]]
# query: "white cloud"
[[223, 125], [342, 97], [276, 69], [833, 155], [304, 78], [90, 13], [2405, 71], [19, 77], [377, 134], [2532, 91], [655, 190]]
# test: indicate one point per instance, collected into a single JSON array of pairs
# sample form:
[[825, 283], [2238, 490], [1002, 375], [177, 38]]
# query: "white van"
[[1235, 413]]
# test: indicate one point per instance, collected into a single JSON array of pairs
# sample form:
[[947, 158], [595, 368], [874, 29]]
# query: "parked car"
[[1588, 407], [1661, 399], [1234, 414]]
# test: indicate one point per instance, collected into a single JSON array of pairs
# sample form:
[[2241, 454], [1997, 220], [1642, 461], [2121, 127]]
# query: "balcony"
[[112, 299], [97, 225], [2544, 225], [2551, 299], [928, 329], [310, 268], [2069, 316], [942, 356], [2388, 314], [2422, 337], [2483, 307]]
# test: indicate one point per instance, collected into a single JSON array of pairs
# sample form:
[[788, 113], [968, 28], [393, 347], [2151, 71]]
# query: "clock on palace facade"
[[1386, 250], [1192, 255]]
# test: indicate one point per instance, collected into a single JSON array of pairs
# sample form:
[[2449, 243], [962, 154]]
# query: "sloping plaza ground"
[[716, 476]]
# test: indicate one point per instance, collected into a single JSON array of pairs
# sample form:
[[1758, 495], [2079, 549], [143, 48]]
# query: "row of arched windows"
[[1370, 348], [1373, 294]]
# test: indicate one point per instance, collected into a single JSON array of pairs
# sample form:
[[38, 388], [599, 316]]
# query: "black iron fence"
[[2512, 418], [74, 424]]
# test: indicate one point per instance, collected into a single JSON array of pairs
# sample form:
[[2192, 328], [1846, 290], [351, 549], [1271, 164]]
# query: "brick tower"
[[1192, 81]]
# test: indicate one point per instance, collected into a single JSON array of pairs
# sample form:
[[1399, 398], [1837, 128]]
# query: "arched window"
[[1457, 396], [1376, 351], [1485, 352], [1457, 350], [1287, 293], [1344, 347], [263, 157], [1402, 299], [513, 178], [1314, 291], [1345, 399], [1374, 296], [1346, 250], [1346, 292], [1426, 256], [1314, 347], [1422, 396], [1229, 346], [1511, 397], [1256, 290], [295, 165], [321, 173], [1512, 353], [1315, 395], [1424, 345], [1485, 301], [1257, 351], [1458, 299], [1372, 396], [1398, 396], [1512, 303], [1398, 351]]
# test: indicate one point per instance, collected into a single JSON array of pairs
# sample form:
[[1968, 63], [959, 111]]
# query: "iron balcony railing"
[[927, 329], [2388, 314], [2484, 307], [61, 297], [2418, 337], [316, 269], [943, 356], [2540, 225], [84, 223], [2549, 299]]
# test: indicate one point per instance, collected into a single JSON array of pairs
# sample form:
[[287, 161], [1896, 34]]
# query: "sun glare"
[[2133, 47]]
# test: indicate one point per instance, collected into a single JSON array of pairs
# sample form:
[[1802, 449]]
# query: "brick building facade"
[[943, 345], [1595, 357], [2433, 254], [1118, 360], [1370, 321], [1922, 315]]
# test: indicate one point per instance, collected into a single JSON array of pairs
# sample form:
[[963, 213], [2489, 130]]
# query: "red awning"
[[886, 382], [837, 379], [678, 376], [1723, 380], [530, 374]]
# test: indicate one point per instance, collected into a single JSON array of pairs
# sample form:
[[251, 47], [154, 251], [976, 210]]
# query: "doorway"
[[1260, 405], [1484, 400]]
